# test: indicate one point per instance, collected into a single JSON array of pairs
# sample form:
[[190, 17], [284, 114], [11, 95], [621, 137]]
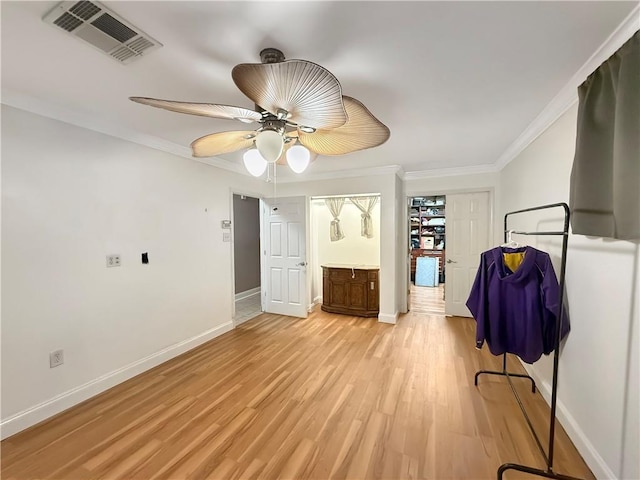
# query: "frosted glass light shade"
[[254, 162], [270, 143], [298, 158]]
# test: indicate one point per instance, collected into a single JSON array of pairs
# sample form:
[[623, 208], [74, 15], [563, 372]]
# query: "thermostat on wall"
[[226, 223]]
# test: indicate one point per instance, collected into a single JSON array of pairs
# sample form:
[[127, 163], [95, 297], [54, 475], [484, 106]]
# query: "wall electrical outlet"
[[113, 260], [226, 237], [56, 358]]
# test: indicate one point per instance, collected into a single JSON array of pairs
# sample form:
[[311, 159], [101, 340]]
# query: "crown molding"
[[568, 95], [360, 172], [450, 172], [62, 114]]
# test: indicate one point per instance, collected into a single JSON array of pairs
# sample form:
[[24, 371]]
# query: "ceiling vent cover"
[[102, 28]]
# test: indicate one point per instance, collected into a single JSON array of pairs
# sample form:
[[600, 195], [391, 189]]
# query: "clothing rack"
[[548, 473]]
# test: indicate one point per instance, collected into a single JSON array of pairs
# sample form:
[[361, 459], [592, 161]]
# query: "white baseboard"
[[316, 301], [386, 318], [589, 453], [240, 321], [247, 293], [66, 400]]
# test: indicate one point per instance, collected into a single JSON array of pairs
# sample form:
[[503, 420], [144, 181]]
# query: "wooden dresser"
[[350, 289]]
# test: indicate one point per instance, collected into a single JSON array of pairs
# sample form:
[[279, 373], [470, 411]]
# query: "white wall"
[[598, 382], [352, 249], [70, 196], [385, 185]]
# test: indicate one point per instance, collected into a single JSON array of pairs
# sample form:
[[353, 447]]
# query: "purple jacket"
[[516, 312]]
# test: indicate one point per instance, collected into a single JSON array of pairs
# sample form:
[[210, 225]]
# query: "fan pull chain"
[[275, 182]]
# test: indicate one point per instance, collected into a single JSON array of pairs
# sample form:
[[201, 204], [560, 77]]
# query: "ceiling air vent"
[[102, 28]]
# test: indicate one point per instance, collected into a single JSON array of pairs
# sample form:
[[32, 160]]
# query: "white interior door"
[[285, 256], [468, 218]]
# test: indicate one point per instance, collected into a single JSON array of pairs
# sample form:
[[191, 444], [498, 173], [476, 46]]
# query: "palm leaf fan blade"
[[310, 94], [361, 131], [213, 110], [220, 143]]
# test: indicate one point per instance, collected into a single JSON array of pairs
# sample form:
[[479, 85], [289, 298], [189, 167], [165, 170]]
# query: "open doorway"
[[246, 257], [427, 237], [460, 225], [344, 234]]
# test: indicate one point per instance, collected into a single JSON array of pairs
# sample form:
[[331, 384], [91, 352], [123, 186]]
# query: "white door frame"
[[492, 230], [407, 253]]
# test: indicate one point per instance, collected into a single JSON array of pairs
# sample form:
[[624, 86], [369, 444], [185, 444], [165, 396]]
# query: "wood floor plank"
[[327, 397]]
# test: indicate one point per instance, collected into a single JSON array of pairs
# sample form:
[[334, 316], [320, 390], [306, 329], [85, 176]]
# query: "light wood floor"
[[330, 396], [427, 299]]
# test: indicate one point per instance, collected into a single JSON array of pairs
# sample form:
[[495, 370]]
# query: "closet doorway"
[[427, 250], [246, 257], [447, 234], [340, 235]]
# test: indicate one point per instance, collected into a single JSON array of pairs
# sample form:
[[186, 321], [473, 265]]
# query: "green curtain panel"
[[605, 178]]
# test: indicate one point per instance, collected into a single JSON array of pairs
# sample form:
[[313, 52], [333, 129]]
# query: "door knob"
[[302, 264], [451, 261]]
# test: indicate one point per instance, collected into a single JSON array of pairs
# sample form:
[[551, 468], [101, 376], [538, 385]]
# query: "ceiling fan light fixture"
[[270, 144], [254, 162], [288, 96], [298, 158]]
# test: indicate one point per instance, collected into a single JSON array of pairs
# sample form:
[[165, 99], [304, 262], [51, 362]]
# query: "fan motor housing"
[[271, 55]]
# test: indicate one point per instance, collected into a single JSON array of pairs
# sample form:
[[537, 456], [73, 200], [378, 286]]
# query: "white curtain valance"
[[335, 207], [365, 205]]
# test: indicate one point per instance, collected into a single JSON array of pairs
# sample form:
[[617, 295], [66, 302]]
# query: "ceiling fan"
[[299, 108]]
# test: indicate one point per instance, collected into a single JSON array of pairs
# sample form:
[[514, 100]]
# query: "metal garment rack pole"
[[548, 457]]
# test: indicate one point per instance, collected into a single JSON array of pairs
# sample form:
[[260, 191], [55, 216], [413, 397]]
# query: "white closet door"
[[468, 220]]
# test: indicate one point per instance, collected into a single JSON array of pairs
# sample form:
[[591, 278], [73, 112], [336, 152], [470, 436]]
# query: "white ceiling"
[[457, 83]]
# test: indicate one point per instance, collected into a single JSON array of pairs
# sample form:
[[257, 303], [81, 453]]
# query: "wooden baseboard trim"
[[38, 413]]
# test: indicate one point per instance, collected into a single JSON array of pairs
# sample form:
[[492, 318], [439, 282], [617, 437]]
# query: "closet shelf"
[[427, 224]]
